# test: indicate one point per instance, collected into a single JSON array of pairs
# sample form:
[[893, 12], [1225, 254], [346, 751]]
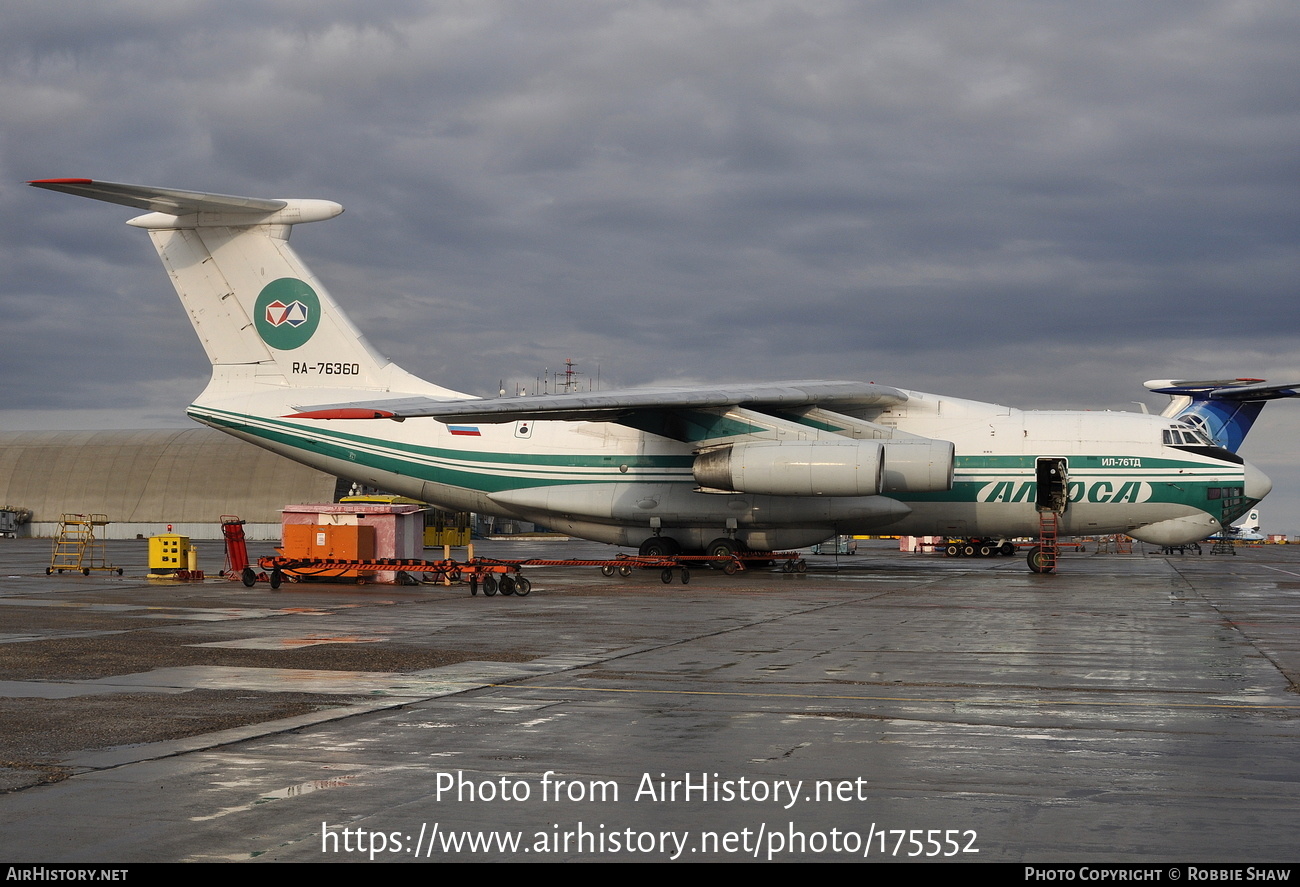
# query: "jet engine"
[[827, 467], [918, 465]]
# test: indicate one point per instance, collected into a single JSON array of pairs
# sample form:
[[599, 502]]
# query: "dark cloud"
[[1039, 203]]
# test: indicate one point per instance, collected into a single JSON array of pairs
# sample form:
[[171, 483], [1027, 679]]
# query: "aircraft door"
[[1053, 484]]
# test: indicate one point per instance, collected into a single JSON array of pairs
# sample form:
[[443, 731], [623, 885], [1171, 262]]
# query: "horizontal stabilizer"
[[609, 405], [160, 200], [1225, 389]]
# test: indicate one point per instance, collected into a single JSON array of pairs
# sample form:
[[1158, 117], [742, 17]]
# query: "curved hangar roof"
[[191, 475]]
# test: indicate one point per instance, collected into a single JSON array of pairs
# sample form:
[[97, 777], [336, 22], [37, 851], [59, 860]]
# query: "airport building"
[[144, 480]]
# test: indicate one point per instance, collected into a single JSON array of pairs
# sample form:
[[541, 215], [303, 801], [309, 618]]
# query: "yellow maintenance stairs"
[[77, 548]]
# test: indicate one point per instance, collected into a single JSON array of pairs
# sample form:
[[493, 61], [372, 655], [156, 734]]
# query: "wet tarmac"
[[1133, 708]]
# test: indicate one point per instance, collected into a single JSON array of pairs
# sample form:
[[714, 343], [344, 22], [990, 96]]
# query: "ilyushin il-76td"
[[725, 469]]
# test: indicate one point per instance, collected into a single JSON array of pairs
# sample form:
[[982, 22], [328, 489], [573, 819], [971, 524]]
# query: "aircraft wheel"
[[1038, 560], [659, 546], [607, 571], [489, 585], [952, 551], [276, 578], [522, 587], [686, 576], [722, 547], [1008, 549], [625, 571], [248, 577], [506, 586]]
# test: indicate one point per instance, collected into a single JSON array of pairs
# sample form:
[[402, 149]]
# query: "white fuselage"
[[611, 483]]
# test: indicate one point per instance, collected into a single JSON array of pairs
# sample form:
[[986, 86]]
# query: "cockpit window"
[[1197, 431], [1183, 436]]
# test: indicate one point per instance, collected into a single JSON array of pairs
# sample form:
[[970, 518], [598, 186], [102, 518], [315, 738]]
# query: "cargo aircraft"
[[723, 469]]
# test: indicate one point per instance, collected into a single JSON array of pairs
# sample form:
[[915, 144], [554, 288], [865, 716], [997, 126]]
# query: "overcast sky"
[[1036, 203]]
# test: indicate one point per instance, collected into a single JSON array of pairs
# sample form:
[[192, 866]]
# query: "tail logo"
[[294, 314], [287, 313]]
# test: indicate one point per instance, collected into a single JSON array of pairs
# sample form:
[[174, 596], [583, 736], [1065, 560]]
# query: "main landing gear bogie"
[[507, 584], [724, 553], [979, 548]]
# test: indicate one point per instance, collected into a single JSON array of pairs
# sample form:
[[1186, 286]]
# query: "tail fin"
[[1224, 409], [262, 316]]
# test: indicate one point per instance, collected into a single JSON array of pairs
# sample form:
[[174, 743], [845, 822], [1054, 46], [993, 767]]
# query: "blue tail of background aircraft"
[[1225, 408]]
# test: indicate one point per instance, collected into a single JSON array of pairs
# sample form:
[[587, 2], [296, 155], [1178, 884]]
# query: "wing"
[[784, 438], [612, 406]]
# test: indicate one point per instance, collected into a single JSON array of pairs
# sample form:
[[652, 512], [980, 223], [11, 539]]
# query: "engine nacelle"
[[918, 466], [828, 467], [794, 468]]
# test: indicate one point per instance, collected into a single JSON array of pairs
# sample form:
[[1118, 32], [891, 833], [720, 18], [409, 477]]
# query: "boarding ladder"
[[76, 547], [1047, 540]]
